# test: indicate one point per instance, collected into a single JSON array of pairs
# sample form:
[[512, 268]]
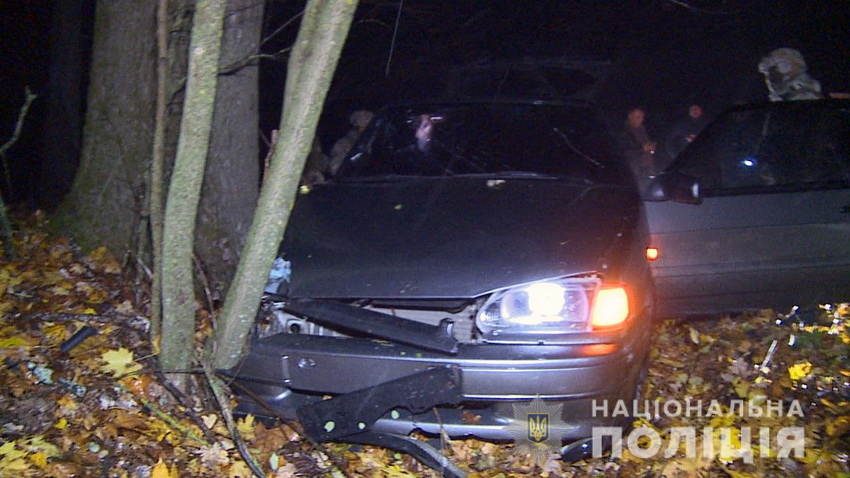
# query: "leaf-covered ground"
[[97, 407]]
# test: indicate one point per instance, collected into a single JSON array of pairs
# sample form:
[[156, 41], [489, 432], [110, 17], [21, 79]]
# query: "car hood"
[[457, 237]]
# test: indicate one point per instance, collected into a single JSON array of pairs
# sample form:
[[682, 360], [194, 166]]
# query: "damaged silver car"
[[466, 258]]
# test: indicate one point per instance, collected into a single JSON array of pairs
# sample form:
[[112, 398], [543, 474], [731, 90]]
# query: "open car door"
[[768, 224]]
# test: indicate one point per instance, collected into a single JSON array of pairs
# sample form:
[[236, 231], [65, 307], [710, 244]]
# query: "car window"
[[777, 147], [535, 140]]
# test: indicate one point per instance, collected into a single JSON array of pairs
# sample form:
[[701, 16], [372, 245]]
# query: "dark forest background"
[[664, 55]]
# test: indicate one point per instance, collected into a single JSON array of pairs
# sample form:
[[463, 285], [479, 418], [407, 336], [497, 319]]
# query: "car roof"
[[821, 103]]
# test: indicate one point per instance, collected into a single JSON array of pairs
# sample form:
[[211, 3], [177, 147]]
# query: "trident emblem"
[[538, 427]]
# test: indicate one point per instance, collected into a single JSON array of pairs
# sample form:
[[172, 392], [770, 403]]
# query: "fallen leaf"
[[210, 420], [694, 335], [119, 362], [800, 370], [160, 470], [245, 426], [39, 459], [214, 456], [19, 341], [838, 427], [240, 469]]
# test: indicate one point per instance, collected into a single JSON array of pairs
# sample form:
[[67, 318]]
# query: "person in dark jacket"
[[637, 147], [685, 130]]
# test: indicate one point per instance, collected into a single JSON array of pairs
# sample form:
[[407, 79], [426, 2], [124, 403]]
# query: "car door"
[[773, 225]]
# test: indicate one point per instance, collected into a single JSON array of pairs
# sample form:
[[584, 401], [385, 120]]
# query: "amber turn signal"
[[651, 253], [610, 307]]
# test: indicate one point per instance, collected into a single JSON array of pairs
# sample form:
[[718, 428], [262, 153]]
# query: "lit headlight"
[[542, 307], [553, 307]]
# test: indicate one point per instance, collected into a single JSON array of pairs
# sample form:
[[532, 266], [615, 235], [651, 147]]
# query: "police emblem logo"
[[538, 427]]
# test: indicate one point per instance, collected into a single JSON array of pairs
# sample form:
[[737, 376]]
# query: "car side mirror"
[[673, 186]]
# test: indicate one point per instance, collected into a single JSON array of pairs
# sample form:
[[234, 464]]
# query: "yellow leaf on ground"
[[245, 426], [106, 260], [39, 459], [671, 362], [240, 469], [67, 401], [741, 386], [12, 461], [19, 341], [8, 448], [161, 470], [740, 474], [800, 370], [56, 332], [694, 333], [119, 362], [838, 427]]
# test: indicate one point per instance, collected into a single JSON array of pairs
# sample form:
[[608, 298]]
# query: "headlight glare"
[[549, 307]]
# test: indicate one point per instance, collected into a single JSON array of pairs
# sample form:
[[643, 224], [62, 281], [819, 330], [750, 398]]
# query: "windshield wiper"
[[383, 178], [575, 150], [510, 174]]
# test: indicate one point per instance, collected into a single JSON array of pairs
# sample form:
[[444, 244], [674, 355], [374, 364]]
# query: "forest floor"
[[99, 408]]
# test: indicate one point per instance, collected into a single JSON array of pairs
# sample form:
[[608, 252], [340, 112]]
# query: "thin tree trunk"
[[157, 179], [310, 70], [232, 177], [178, 304]]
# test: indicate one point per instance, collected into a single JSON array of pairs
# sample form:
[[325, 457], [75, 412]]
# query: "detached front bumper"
[[290, 372]]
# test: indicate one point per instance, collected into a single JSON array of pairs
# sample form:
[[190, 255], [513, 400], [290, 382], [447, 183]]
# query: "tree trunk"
[[231, 181], [321, 36], [107, 195], [178, 302]]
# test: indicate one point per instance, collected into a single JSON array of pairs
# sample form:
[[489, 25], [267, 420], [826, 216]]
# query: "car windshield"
[[541, 141]]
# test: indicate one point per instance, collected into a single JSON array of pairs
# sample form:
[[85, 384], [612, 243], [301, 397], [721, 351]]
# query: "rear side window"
[[777, 147]]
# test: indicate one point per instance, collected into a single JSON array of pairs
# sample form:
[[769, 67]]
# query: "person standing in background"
[[637, 147], [685, 130]]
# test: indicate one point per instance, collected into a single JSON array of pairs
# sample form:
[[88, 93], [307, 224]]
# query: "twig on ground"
[[338, 462], [181, 399], [136, 323], [159, 413], [202, 274], [218, 391]]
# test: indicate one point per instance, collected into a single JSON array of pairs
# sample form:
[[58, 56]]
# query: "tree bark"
[[108, 190], [156, 200], [321, 36], [232, 177], [185, 187]]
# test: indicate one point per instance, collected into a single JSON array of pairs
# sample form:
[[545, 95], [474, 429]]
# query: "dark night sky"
[[664, 53]]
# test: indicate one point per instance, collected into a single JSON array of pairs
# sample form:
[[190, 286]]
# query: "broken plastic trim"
[[354, 319], [356, 412]]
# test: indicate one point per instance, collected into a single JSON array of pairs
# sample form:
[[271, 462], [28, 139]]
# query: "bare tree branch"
[[5, 224], [281, 28], [30, 97], [236, 66], [687, 6]]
